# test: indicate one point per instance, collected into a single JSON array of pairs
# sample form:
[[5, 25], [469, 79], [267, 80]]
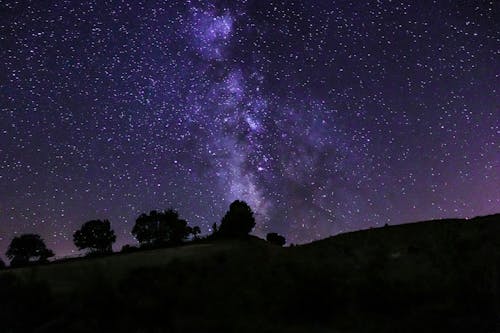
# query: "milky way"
[[325, 116]]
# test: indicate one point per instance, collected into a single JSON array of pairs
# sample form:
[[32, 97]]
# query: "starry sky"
[[325, 116]]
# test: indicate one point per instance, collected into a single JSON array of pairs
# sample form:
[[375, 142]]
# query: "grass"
[[68, 274], [421, 277]]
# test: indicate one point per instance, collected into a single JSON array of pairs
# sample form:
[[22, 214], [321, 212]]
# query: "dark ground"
[[436, 276]]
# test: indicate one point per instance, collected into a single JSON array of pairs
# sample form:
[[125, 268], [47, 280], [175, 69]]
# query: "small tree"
[[26, 249], [195, 231], [238, 221], [160, 228], [275, 239], [96, 236]]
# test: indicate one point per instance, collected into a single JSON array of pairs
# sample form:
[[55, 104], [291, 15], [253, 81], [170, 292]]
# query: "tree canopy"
[[238, 220], [96, 236], [26, 249], [161, 228]]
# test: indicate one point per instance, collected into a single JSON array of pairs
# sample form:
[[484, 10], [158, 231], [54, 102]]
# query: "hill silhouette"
[[428, 276]]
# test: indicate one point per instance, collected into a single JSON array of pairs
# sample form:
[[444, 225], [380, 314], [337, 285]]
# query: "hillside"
[[427, 276]]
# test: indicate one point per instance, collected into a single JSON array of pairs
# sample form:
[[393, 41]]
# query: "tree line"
[[154, 230]]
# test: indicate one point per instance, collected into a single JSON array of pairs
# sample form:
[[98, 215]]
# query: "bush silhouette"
[[160, 228], [275, 239], [26, 249], [129, 248], [2, 264], [96, 236], [238, 221]]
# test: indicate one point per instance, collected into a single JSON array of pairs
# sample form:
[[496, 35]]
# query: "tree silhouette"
[[96, 236], [2, 264], [238, 221], [26, 249], [275, 239], [195, 231], [160, 228]]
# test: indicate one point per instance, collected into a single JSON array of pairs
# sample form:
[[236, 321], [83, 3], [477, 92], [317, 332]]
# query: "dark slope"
[[421, 277]]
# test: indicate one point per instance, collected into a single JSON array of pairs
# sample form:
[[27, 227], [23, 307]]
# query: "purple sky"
[[325, 116]]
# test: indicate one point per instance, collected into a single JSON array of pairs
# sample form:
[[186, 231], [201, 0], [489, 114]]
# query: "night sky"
[[325, 116]]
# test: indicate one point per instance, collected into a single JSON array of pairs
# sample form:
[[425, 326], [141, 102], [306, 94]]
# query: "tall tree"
[[238, 221], [160, 228], [96, 236], [26, 249]]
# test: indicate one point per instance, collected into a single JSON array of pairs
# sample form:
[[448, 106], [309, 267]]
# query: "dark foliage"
[[26, 249], [275, 239], [238, 221], [160, 229], [2, 264], [96, 236]]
